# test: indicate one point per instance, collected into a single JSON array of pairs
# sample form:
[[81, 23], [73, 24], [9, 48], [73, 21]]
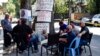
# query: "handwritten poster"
[[45, 5], [44, 16], [39, 27]]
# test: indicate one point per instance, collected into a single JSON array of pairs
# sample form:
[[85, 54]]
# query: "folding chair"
[[27, 48], [72, 50], [88, 43], [52, 40]]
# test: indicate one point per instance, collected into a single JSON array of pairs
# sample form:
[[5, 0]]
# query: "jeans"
[[82, 43], [34, 41], [61, 47]]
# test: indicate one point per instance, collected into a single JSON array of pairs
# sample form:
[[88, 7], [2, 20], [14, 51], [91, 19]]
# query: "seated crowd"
[[25, 37]]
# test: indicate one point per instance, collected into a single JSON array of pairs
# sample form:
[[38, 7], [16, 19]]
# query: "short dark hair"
[[71, 22], [23, 21], [6, 16], [61, 22]]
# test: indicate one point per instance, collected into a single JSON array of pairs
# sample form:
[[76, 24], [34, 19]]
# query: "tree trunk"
[[26, 4]]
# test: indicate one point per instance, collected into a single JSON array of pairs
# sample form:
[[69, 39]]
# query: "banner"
[[39, 27], [44, 16], [45, 5]]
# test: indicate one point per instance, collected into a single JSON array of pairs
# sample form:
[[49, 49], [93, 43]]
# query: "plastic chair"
[[72, 50]]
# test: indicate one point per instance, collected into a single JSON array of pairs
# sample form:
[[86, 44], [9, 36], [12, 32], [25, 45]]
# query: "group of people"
[[18, 34], [24, 36], [69, 32], [21, 34]]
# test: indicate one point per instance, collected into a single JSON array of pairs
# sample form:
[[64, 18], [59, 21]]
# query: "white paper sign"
[[39, 27], [45, 5], [24, 13], [44, 16], [3, 1]]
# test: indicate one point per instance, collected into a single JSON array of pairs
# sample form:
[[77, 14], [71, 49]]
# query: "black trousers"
[[61, 47], [7, 38]]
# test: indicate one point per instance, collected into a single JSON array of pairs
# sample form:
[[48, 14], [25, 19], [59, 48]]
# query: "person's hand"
[[61, 32], [29, 35], [9, 34], [62, 40], [79, 35]]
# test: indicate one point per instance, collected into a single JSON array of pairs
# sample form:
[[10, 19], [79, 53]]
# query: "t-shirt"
[[75, 30], [6, 25], [24, 31], [62, 27], [86, 35], [71, 36]]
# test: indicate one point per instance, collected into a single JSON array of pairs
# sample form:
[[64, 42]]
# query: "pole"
[[52, 20], [70, 11]]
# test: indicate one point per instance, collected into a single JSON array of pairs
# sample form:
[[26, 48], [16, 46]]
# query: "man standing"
[[7, 29]]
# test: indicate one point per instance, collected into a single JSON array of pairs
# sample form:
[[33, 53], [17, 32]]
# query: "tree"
[[33, 1], [61, 7], [91, 7], [17, 9], [10, 7], [17, 4], [97, 6], [13, 7]]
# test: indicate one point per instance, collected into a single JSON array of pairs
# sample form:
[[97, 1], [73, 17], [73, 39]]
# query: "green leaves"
[[91, 7], [10, 7], [60, 6], [33, 1]]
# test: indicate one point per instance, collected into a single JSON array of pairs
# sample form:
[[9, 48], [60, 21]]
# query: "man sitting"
[[66, 41], [38, 37], [84, 34]]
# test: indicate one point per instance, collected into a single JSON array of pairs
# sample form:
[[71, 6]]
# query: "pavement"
[[95, 47]]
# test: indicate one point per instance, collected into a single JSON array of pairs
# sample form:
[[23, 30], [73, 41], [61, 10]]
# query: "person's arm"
[[63, 40], [2, 24], [80, 34], [9, 34]]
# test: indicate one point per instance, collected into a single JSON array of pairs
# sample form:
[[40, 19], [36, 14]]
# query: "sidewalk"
[[95, 46]]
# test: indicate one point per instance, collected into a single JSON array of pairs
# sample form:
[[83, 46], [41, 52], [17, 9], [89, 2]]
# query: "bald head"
[[69, 28]]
